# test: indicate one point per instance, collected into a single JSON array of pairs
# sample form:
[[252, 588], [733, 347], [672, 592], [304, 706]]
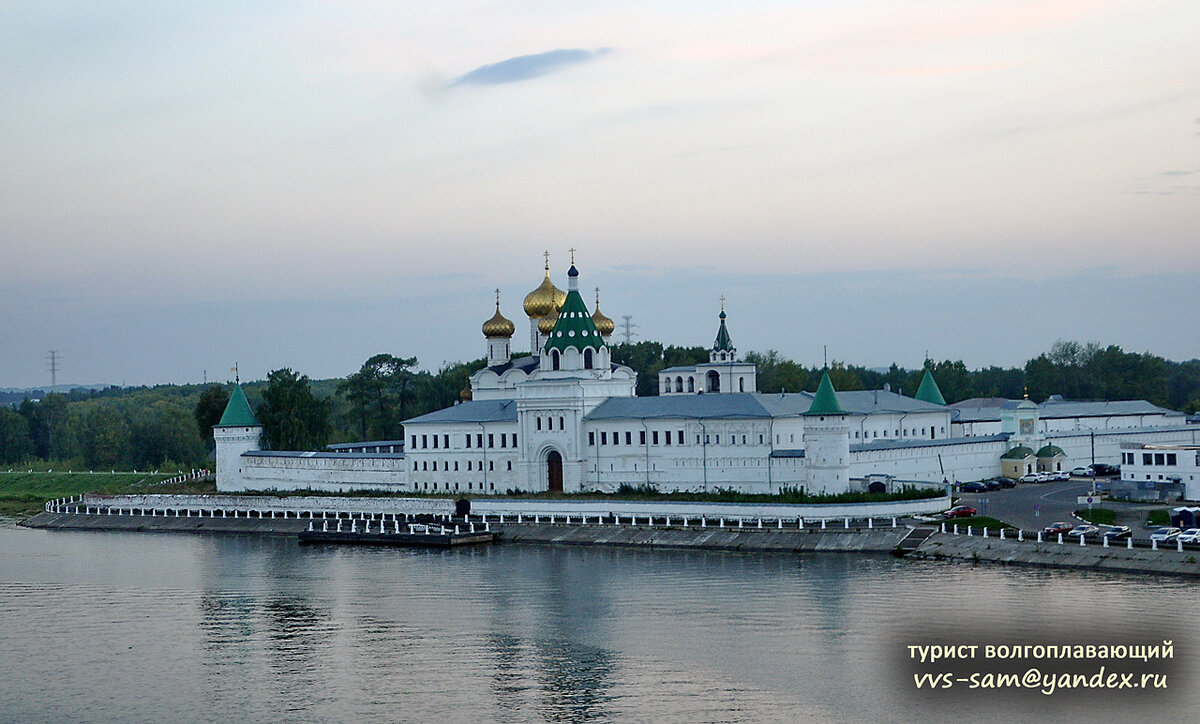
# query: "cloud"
[[527, 67]]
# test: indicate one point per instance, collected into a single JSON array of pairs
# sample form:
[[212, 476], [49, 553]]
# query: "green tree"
[[44, 417], [166, 432], [292, 418], [646, 359], [208, 411], [15, 444], [776, 373], [106, 438], [381, 395]]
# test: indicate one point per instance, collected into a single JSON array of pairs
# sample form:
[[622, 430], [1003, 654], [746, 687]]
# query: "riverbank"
[[1167, 560]]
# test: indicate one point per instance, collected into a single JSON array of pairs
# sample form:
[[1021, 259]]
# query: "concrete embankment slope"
[[1093, 557], [148, 524], [877, 540]]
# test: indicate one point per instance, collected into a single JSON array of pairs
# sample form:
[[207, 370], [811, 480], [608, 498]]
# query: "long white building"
[[567, 419]]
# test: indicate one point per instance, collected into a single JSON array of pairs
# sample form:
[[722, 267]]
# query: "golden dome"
[[464, 395], [546, 323], [604, 325], [498, 326], [545, 298]]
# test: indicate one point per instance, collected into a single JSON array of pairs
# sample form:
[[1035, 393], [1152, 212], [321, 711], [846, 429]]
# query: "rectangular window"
[[510, 464], [697, 439], [679, 438], [414, 442], [654, 437], [641, 437], [1158, 458], [591, 438], [491, 464], [603, 438], [760, 439], [667, 436], [717, 439], [1170, 458], [424, 442], [514, 439], [468, 436], [743, 439], [1147, 458], [456, 466], [539, 423], [628, 438], [435, 442], [503, 439], [446, 441], [468, 466], [479, 439], [491, 441]]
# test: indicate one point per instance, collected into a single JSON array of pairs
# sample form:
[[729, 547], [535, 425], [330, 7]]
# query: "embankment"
[[1094, 556]]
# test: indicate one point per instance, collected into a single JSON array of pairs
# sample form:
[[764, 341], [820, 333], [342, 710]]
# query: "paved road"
[[1032, 506]]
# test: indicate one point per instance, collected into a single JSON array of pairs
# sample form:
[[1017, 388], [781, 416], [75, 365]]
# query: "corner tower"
[[826, 442], [238, 432]]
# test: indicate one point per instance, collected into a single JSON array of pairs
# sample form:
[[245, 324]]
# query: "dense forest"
[[169, 426]]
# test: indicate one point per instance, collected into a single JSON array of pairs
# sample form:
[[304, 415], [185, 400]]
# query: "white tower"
[[238, 432], [499, 331], [826, 442]]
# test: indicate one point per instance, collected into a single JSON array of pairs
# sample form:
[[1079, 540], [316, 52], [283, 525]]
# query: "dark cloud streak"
[[527, 67]]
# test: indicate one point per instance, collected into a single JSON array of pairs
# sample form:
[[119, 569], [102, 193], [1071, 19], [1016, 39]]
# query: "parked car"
[[973, 487], [1191, 535], [1060, 475], [1030, 478], [1165, 535], [1006, 482], [992, 484], [1085, 531], [1056, 528], [1083, 471], [960, 511], [1106, 469], [1117, 532]]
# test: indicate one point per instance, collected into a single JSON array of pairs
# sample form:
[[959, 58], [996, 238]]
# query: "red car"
[[1056, 528], [960, 511]]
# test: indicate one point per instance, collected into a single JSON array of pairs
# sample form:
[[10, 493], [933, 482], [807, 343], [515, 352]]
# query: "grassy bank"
[[25, 493]]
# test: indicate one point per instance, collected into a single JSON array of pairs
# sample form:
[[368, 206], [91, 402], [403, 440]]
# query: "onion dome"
[[498, 325], [604, 325], [464, 395], [546, 323], [546, 298]]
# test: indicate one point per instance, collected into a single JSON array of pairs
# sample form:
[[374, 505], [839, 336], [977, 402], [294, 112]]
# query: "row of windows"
[[1151, 458], [549, 424], [506, 440], [714, 382], [875, 433], [666, 438], [427, 465]]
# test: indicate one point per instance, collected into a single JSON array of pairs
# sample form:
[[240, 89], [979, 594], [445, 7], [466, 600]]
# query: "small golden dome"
[[498, 325], [545, 298], [464, 395], [546, 323], [604, 325]]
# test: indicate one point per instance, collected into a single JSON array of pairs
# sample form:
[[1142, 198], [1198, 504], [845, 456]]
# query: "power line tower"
[[627, 328], [52, 363]]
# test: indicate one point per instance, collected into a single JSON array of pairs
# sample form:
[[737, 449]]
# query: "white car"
[[1030, 478], [1084, 531], [1082, 472], [1191, 535], [1060, 475], [1165, 535]]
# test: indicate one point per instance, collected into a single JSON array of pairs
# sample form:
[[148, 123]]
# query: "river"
[[101, 626]]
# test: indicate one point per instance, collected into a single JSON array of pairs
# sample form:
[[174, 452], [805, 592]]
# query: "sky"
[[190, 185]]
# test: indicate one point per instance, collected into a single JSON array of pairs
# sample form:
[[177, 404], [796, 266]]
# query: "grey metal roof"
[[526, 363], [735, 405], [472, 411], [680, 368], [303, 454], [900, 444], [988, 409], [367, 443]]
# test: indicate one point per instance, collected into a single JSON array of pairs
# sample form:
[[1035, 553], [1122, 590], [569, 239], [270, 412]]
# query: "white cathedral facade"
[[566, 419]]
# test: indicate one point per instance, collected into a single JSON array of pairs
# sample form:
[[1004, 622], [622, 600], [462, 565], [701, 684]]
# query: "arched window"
[[562, 424], [714, 381], [679, 384], [539, 423], [741, 384], [666, 385], [554, 359], [587, 358], [691, 384]]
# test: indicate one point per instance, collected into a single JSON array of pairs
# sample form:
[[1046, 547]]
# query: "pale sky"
[[186, 185]]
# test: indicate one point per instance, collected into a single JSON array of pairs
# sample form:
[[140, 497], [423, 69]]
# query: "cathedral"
[[566, 419]]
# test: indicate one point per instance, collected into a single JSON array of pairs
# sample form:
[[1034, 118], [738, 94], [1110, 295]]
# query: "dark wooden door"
[[554, 471]]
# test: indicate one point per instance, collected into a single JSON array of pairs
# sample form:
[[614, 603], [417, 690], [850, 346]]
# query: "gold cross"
[[547, 255], [497, 299], [572, 256], [597, 297], [722, 302]]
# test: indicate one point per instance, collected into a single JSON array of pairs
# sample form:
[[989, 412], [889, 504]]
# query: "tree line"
[[171, 425]]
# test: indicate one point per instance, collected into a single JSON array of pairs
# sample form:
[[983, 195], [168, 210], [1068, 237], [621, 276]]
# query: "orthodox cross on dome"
[[234, 370], [597, 296], [546, 254], [572, 250], [497, 298], [722, 302]]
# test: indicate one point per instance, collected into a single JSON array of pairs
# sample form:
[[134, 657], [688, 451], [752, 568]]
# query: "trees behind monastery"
[[168, 426]]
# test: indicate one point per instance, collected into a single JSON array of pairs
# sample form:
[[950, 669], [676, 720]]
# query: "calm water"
[[143, 627]]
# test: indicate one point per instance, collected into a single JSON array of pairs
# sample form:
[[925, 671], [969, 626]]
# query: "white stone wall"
[[962, 462], [332, 474], [711, 510]]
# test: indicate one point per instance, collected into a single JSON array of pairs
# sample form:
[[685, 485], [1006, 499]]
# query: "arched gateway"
[[554, 472]]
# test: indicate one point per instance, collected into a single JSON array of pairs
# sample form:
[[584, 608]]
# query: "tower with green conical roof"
[[929, 391], [574, 344], [826, 442], [722, 349], [238, 432]]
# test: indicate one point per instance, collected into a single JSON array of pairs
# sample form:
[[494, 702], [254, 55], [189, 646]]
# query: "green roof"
[[1019, 452], [1049, 451], [723, 342], [237, 412], [574, 327], [928, 391], [825, 402]]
